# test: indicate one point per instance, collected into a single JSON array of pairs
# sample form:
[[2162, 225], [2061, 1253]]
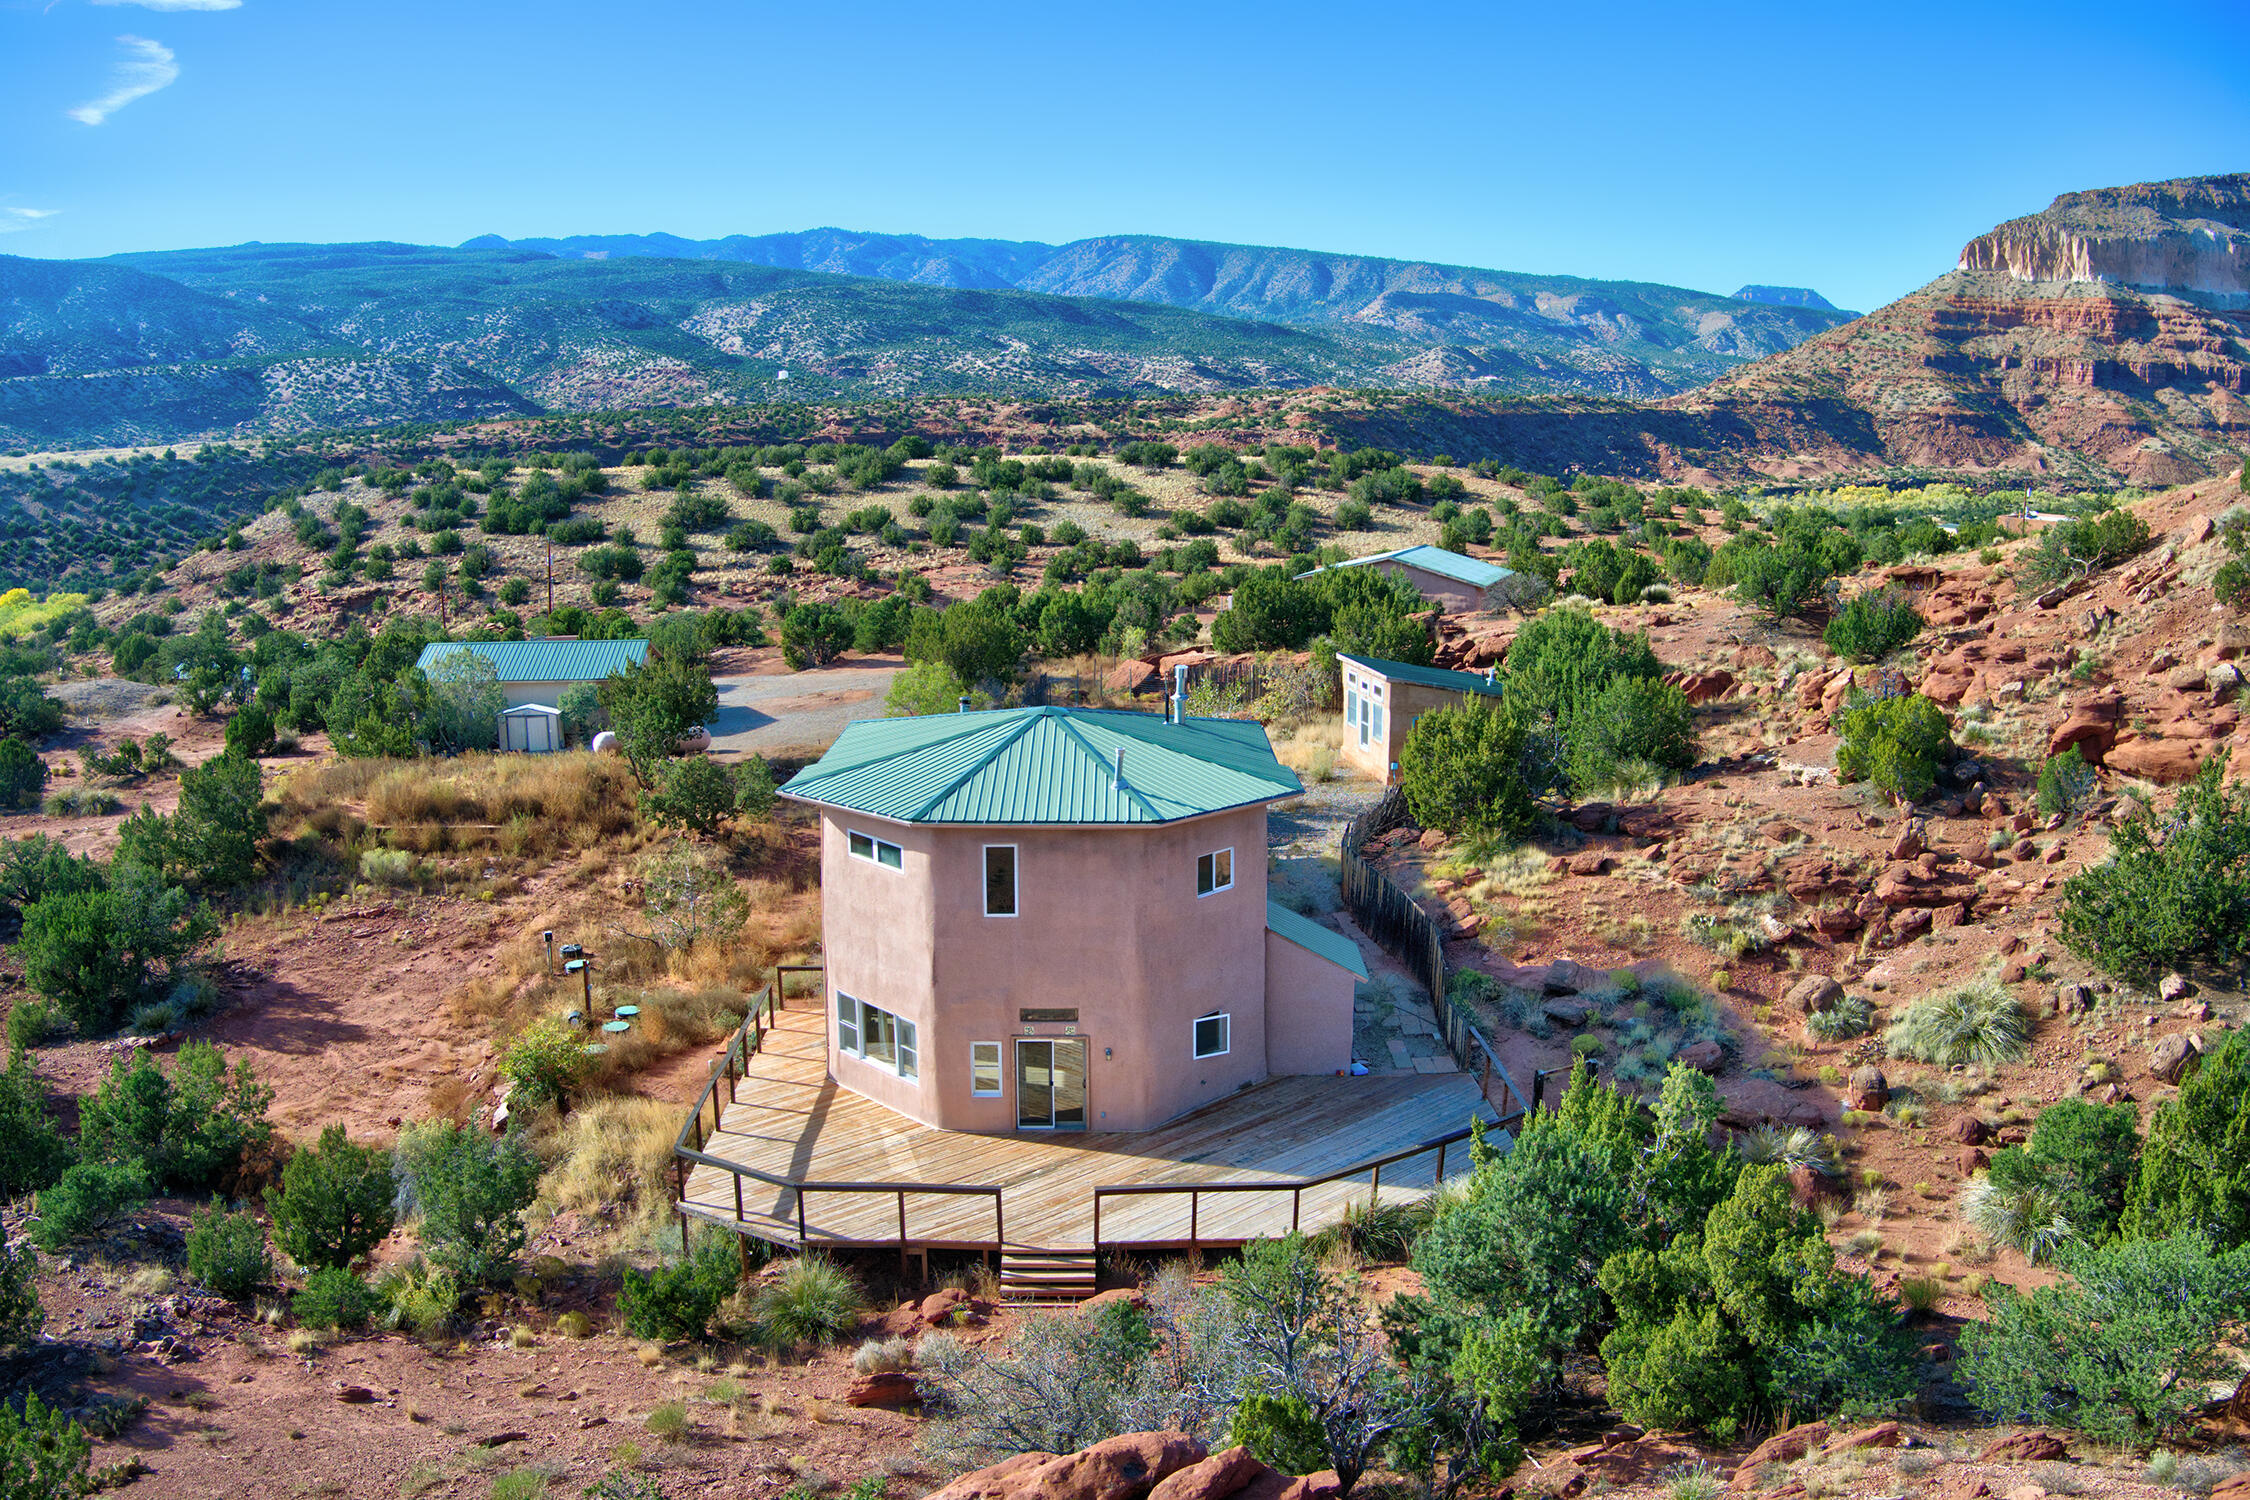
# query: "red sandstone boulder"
[[2165, 762], [1814, 993], [1881, 1435], [886, 1388], [2024, 1448], [1002, 1481], [1118, 1468], [1781, 1448], [1215, 1478]]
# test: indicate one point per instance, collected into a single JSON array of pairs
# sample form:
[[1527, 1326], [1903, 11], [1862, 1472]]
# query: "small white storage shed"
[[531, 727]]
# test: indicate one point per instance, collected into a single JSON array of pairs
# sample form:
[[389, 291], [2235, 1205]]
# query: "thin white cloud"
[[146, 67], [177, 4], [13, 219]]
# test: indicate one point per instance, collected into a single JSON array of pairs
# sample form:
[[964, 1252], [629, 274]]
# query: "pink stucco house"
[[1052, 919]]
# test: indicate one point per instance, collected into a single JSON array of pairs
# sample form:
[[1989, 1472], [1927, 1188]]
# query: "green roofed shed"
[[1315, 939], [544, 661], [1045, 765]]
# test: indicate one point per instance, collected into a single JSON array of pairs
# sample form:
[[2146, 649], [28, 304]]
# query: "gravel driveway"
[[769, 712]]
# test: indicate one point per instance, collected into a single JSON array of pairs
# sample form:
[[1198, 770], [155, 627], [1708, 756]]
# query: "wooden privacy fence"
[[1412, 936]]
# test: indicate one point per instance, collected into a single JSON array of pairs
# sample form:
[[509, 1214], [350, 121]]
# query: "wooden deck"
[[790, 1121]]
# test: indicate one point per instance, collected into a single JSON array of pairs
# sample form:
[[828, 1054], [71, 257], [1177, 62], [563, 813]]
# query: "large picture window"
[[1212, 1035], [868, 847], [999, 880], [869, 1031], [1214, 872]]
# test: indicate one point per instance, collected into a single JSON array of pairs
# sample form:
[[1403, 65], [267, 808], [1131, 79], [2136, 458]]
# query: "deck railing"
[[1296, 1191], [727, 1069], [1411, 935]]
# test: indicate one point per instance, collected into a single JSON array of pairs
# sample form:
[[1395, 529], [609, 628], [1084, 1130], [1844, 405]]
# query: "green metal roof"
[[1472, 571], [1319, 941], [1044, 765], [544, 661], [1434, 677]]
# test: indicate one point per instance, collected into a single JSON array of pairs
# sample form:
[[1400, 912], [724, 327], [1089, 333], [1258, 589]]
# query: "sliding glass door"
[[1050, 1085]]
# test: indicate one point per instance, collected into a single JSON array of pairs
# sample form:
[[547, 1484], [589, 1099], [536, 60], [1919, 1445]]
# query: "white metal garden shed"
[[531, 727]]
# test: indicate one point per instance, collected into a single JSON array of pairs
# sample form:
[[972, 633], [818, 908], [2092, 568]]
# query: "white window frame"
[[1377, 730], [904, 1045], [1217, 885], [1015, 880], [1226, 1035], [875, 848], [977, 1050]]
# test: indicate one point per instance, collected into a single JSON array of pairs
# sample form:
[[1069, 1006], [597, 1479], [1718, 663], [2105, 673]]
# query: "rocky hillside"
[[2107, 337], [1472, 327]]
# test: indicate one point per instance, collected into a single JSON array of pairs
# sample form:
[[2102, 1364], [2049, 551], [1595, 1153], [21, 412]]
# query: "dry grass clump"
[[1313, 749], [615, 1150], [526, 804], [1979, 1023]]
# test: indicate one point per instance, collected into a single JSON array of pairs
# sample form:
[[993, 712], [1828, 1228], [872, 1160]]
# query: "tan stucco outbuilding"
[[1382, 699]]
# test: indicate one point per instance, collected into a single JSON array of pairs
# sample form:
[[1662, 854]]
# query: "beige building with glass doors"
[[1051, 919], [1382, 699]]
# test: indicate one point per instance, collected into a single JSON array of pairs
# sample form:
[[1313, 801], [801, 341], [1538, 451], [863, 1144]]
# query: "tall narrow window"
[[847, 1023], [1214, 872], [909, 1050], [999, 880], [984, 1069]]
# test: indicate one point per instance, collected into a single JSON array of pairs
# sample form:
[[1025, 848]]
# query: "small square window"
[[1214, 872], [862, 846], [890, 854], [999, 880], [1211, 1035], [984, 1069]]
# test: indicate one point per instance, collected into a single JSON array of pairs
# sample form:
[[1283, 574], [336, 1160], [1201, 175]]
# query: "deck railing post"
[[1439, 1180], [999, 1229], [1195, 1204], [1296, 1207], [800, 1218], [1375, 1185], [902, 1232], [1097, 1220], [683, 1234]]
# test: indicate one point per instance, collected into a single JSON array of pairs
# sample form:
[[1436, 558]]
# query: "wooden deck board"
[[789, 1120]]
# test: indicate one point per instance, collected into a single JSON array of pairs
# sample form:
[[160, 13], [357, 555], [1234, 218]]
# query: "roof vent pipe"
[[1118, 784], [1179, 693], [964, 703], [1491, 674]]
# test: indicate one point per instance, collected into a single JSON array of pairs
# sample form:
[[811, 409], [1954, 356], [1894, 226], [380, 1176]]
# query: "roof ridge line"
[[1022, 727], [942, 739], [1133, 791]]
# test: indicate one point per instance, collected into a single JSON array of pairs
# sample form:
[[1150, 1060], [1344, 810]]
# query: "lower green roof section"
[[1319, 941]]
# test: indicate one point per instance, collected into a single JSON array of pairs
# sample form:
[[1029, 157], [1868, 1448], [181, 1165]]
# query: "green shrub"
[[1894, 743], [1461, 770], [2174, 891], [43, 1454], [33, 1152], [2126, 1347], [543, 1064], [2194, 1174], [1354, 515], [1850, 1016], [392, 867], [2085, 1154], [333, 1203], [335, 1298], [2070, 550], [1281, 1431], [471, 1191], [227, 1252], [678, 1301], [188, 1127], [1978, 1024], [812, 1301], [212, 841], [100, 952], [37, 867], [250, 732], [2020, 1211], [1632, 720], [417, 1295], [2066, 783], [21, 1316], [1871, 626], [23, 775], [694, 793], [86, 1200]]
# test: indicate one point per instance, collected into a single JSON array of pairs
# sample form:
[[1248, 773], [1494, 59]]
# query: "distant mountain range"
[[2102, 341], [163, 345], [1783, 296]]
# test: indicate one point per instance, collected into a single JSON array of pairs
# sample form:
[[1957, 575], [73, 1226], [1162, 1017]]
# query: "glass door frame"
[[1052, 1125]]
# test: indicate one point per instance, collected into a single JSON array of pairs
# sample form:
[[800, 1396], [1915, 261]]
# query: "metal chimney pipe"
[[1179, 694], [964, 708], [1118, 783]]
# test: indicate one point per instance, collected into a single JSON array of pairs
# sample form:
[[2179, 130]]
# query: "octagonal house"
[[1055, 919]]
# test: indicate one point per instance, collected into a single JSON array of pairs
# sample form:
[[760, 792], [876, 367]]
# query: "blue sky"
[[1848, 148]]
